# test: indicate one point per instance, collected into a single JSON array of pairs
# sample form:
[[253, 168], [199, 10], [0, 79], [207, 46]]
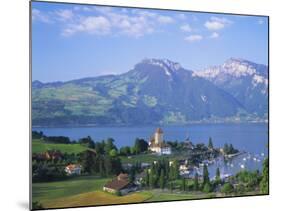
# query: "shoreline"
[[149, 125]]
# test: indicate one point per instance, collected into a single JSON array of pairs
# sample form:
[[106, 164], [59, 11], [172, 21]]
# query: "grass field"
[[166, 196], [87, 191], [80, 191], [53, 190], [97, 198], [38, 146]]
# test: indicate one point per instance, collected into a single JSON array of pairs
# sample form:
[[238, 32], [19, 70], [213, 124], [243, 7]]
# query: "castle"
[[156, 143]]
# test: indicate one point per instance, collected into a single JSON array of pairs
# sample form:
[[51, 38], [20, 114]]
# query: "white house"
[[73, 169]]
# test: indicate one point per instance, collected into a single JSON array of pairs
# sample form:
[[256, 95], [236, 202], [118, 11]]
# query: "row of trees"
[[161, 173], [103, 165]]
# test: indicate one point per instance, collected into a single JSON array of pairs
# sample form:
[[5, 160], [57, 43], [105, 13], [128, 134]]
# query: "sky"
[[72, 41]]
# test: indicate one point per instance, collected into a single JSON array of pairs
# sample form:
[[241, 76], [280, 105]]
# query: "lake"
[[249, 137]]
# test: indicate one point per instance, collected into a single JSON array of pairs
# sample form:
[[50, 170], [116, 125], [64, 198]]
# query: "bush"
[[227, 188], [118, 193]]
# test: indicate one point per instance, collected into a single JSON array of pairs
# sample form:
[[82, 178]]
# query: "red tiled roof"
[[117, 184]]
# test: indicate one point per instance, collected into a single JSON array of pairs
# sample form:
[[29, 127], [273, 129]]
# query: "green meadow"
[[87, 191], [38, 146]]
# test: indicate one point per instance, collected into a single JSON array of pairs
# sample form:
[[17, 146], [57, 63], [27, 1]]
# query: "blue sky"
[[71, 41]]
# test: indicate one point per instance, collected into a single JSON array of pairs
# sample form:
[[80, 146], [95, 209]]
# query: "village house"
[[120, 184], [73, 169], [156, 143], [183, 167]]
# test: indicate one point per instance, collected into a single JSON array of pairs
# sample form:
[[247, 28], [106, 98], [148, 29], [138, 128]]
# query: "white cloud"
[[214, 35], [64, 15], [92, 25], [186, 28], [165, 19], [105, 21], [193, 38], [37, 15], [216, 23]]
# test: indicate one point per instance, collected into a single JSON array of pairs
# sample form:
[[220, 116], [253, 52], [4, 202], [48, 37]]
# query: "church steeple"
[[158, 136]]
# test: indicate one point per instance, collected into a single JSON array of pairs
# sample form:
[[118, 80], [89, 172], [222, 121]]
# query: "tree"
[[133, 150], [99, 147], [174, 170], [206, 178], [152, 177], [210, 144], [109, 145], [227, 188], [171, 186], [218, 177], [207, 187], [87, 141], [162, 179], [107, 165], [132, 174], [146, 178], [88, 161], [196, 182], [184, 185], [226, 148], [113, 153], [140, 145], [125, 151], [264, 186]]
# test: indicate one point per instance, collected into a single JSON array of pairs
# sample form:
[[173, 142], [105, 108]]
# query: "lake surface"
[[249, 137]]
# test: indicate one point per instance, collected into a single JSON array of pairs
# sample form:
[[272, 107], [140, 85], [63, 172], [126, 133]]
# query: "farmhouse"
[[73, 169], [121, 185], [156, 143]]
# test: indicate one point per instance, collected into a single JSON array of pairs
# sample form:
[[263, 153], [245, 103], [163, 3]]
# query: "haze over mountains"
[[156, 91]]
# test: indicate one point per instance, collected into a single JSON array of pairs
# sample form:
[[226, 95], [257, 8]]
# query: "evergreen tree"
[[152, 177], [226, 148], [196, 182], [171, 186], [162, 179], [207, 187], [132, 174], [210, 144], [88, 161], [206, 178], [218, 176], [101, 167], [146, 178], [107, 166], [183, 184]]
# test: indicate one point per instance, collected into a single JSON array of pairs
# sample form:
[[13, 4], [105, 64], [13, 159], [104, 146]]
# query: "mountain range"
[[156, 91]]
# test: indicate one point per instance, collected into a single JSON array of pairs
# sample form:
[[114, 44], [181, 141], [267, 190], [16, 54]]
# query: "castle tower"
[[158, 136]]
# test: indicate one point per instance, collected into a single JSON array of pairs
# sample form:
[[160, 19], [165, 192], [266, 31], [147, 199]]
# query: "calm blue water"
[[249, 137]]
